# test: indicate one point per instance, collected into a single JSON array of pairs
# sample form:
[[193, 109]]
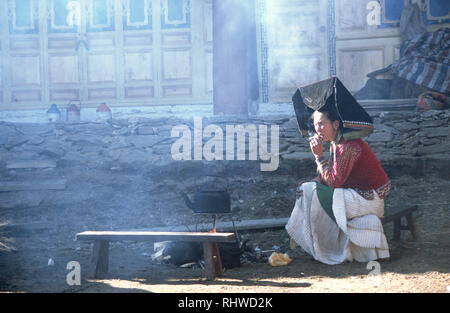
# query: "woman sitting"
[[336, 217]]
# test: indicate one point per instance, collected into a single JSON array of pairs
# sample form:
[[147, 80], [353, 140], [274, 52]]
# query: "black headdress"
[[330, 95]]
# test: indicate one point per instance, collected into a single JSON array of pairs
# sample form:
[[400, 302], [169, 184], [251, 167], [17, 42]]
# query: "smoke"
[[295, 39]]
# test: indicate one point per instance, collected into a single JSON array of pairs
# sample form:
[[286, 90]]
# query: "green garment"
[[325, 195]]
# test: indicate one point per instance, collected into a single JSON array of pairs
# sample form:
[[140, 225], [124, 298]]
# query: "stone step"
[[24, 226], [26, 199], [22, 164], [51, 184]]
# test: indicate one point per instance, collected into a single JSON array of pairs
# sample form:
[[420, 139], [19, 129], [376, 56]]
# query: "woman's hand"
[[316, 146], [298, 191]]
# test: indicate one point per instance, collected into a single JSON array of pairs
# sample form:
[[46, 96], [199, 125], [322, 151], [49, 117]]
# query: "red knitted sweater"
[[353, 164]]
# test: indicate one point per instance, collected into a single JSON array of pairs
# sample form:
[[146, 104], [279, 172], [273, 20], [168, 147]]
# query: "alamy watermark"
[[235, 136], [73, 278], [374, 276]]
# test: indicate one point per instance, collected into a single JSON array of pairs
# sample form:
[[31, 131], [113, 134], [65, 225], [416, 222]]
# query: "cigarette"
[[311, 138]]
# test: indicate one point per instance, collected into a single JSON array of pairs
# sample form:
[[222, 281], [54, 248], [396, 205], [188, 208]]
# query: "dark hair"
[[331, 115]]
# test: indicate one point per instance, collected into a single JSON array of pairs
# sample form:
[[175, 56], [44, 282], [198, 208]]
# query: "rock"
[[162, 149], [82, 140], [144, 141], [15, 141], [431, 141], [116, 142], [432, 123], [292, 124], [49, 184], [406, 126], [35, 140], [34, 129], [133, 155], [74, 156], [20, 199], [146, 130], [284, 147], [289, 133], [121, 132], [440, 148], [380, 137], [53, 151], [437, 132], [388, 129], [430, 113], [30, 164]]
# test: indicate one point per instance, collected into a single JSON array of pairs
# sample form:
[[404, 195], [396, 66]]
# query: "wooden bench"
[[100, 252], [395, 214]]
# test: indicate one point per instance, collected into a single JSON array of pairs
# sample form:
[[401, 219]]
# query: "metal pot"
[[209, 201]]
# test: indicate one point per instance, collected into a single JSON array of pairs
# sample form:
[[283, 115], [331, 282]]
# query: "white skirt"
[[357, 233]]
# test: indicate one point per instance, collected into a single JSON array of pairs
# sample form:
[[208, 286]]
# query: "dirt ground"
[[422, 267]]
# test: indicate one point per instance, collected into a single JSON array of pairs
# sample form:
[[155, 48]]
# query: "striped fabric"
[[425, 61], [356, 235]]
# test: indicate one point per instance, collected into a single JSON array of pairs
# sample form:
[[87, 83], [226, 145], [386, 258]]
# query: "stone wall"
[[126, 164]]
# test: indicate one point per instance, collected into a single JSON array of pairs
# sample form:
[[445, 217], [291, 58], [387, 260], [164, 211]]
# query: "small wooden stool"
[[395, 214]]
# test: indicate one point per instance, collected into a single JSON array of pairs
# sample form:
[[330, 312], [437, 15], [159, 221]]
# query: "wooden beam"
[[155, 236], [246, 225]]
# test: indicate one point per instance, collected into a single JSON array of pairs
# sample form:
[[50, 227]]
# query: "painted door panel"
[[122, 52]]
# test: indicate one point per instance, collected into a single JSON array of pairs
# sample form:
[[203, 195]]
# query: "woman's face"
[[325, 129]]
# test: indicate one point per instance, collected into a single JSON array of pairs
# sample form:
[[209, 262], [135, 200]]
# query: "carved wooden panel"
[[100, 41], [351, 15], [62, 43], [25, 70], [137, 15], [100, 16], [64, 16], [23, 16], [64, 95], [115, 50], [101, 67], [102, 93], [176, 64], [176, 38], [63, 68], [20, 44], [177, 91], [354, 65], [138, 66], [25, 95], [139, 92], [437, 11], [175, 14], [130, 40]]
